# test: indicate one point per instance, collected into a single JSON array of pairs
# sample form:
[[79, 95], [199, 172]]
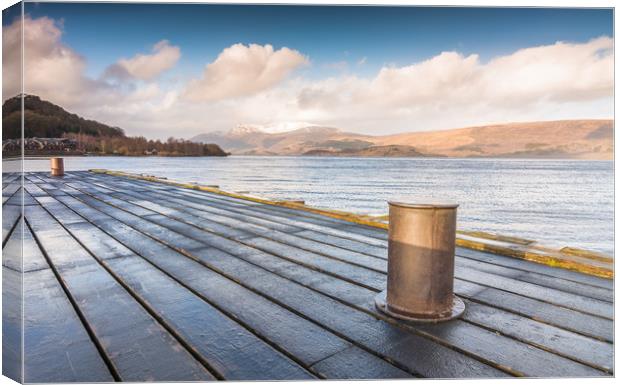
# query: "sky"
[[179, 70]]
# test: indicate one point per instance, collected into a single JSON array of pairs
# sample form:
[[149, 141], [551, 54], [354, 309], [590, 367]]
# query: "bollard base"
[[458, 308]]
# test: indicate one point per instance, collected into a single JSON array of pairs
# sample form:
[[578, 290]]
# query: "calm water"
[[557, 202]]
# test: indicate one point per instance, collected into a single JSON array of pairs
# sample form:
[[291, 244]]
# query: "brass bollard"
[[421, 246], [58, 166]]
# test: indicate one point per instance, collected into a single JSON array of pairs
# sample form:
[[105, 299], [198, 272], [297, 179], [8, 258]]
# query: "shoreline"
[[567, 257], [35, 157]]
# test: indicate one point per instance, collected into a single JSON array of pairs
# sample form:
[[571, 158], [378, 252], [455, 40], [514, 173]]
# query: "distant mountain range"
[[573, 139]]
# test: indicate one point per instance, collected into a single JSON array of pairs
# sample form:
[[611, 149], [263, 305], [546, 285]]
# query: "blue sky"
[[384, 35], [191, 68]]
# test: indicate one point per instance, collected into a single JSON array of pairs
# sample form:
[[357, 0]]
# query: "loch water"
[[555, 202]]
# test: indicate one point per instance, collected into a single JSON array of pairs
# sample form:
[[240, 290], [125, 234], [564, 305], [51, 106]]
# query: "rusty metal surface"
[[421, 244], [57, 166]]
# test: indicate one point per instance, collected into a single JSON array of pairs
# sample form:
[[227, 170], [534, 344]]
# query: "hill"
[[582, 139], [572, 139], [45, 121]]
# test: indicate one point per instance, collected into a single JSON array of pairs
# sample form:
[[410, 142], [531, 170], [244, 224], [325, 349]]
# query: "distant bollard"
[[421, 245], [58, 166]]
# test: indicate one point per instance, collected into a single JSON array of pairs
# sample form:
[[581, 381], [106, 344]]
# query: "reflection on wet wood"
[[134, 280]]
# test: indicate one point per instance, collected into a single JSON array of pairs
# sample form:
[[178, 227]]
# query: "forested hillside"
[[43, 119]]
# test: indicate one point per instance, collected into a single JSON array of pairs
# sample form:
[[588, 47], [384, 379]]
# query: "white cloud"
[[252, 85], [455, 90], [50, 67], [242, 70], [147, 67]]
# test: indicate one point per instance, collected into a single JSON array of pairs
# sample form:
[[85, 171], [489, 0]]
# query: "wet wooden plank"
[[563, 284], [272, 233], [102, 218], [367, 231], [89, 187], [222, 214], [233, 245], [355, 326], [51, 189], [92, 214], [162, 258], [355, 257], [246, 251], [124, 205], [273, 210], [196, 216], [282, 219], [583, 349], [57, 348], [360, 275], [135, 184], [266, 215], [15, 199], [217, 201], [348, 244], [309, 277], [12, 317], [567, 319], [355, 364], [231, 350], [148, 227], [95, 240], [259, 314], [112, 211], [9, 177], [535, 267], [531, 278], [10, 189], [524, 358], [192, 317], [340, 316], [540, 279], [12, 250], [572, 301], [34, 190], [10, 216], [578, 302], [28, 199], [21, 253], [50, 203], [211, 197], [30, 176], [558, 297], [303, 339], [358, 296], [194, 226], [139, 348]]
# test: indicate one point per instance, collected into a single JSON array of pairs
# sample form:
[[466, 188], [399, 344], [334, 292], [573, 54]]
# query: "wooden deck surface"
[[133, 280]]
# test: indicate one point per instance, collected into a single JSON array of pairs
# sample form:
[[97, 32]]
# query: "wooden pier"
[[134, 280]]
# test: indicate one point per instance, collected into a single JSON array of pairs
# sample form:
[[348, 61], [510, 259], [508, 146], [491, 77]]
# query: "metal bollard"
[[58, 166], [421, 246]]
